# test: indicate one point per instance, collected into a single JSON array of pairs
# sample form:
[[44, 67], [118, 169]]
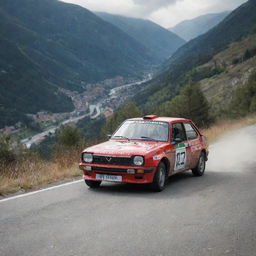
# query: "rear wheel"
[[200, 168], [158, 183], [92, 183]]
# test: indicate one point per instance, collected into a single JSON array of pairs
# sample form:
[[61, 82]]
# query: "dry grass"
[[29, 172], [32, 171], [217, 130]]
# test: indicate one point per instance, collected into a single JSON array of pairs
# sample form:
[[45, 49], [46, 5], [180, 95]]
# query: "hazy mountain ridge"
[[83, 36], [161, 42], [47, 44], [240, 23], [190, 29]]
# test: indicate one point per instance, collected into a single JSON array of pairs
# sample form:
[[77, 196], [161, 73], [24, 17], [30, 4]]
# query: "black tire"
[[200, 168], [92, 183], [158, 183]]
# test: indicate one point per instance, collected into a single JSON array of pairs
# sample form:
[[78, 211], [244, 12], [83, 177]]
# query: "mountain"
[[177, 71], [235, 65], [161, 42], [190, 29], [47, 45]]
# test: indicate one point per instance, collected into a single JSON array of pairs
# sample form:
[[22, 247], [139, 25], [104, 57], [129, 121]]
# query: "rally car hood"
[[127, 148]]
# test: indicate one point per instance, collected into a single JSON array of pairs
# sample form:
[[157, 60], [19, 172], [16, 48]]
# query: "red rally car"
[[146, 150]]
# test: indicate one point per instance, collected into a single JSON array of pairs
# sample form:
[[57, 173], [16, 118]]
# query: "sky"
[[166, 13]]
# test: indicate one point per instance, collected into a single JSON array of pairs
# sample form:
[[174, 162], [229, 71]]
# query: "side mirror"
[[109, 136], [176, 141]]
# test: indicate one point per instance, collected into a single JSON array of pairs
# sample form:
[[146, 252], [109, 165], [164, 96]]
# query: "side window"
[[178, 132], [190, 131]]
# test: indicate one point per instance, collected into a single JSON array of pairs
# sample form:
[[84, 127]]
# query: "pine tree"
[[191, 103], [244, 101], [69, 136], [195, 105], [6, 153]]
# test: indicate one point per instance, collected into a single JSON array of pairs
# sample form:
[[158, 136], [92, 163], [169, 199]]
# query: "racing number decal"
[[180, 159]]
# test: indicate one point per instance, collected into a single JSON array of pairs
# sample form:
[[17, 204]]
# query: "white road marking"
[[39, 191]]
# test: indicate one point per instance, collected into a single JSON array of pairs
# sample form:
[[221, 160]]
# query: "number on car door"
[[181, 153]]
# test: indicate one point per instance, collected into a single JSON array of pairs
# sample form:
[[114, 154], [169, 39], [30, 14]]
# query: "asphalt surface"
[[210, 215]]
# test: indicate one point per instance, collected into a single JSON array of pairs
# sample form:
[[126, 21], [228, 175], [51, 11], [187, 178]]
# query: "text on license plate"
[[108, 177]]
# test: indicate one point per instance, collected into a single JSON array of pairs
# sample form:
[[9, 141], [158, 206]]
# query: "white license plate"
[[108, 177]]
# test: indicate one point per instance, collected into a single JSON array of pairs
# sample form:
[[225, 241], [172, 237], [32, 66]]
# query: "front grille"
[[112, 160], [107, 169]]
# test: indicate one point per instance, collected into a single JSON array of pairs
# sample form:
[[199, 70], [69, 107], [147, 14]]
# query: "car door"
[[194, 145], [180, 153]]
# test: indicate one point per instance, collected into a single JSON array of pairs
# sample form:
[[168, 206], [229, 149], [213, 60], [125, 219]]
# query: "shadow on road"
[[180, 185]]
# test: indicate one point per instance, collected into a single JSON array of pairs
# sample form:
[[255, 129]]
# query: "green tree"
[[69, 136], [6, 153], [247, 55], [191, 103], [68, 146], [244, 100]]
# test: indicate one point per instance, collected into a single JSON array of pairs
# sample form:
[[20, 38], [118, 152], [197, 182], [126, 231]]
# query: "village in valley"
[[99, 99]]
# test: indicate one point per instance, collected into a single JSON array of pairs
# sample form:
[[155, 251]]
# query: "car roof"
[[162, 119]]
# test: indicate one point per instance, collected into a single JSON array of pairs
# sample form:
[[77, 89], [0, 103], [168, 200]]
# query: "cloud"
[[155, 4], [147, 7], [122, 7], [133, 8], [189, 9], [167, 13]]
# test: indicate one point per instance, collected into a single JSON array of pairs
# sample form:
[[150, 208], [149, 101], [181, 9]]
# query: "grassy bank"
[[221, 128], [32, 171]]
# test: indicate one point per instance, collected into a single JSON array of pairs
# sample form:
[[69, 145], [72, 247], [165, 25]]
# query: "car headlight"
[[138, 160], [87, 157]]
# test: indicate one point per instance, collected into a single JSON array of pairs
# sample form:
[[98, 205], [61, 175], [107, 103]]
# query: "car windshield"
[[142, 130]]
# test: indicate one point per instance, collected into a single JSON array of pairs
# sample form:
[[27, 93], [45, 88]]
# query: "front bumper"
[[141, 175]]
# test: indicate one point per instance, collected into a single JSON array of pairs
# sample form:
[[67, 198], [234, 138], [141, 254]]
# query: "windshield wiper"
[[121, 137], [147, 138]]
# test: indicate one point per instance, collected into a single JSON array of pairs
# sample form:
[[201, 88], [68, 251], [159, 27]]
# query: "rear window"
[[190, 131]]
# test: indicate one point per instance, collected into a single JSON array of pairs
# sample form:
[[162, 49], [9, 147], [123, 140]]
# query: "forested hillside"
[[176, 71], [158, 40], [227, 72], [47, 45], [222, 88]]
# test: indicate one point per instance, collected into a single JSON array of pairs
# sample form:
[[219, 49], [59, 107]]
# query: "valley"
[[98, 99], [43, 60]]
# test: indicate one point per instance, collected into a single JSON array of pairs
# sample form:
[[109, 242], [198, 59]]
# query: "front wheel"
[[92, 183], [200, 168], [159, 179]]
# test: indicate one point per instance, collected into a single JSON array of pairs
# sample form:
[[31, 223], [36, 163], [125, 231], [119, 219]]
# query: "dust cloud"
[[235, 152]]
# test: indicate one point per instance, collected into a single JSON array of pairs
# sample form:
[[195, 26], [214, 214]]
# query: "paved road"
[[28, 142], [211, 215]]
